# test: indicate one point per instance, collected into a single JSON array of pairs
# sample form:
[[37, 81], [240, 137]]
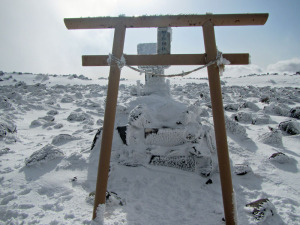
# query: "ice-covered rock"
[[273, 137], [262, 209], [52, 112], [78, 117], [5, 103], [291, 127], [6, 127], [47, 153], [244, 117], [279, 157], [235, 128], [232, 107], [62, 139], [259, 118], [277, 109], [242, 169], [251, 106], [36, 123], [295, 112]]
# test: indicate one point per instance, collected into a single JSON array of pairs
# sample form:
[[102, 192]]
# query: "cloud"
[[235, 71], [290, 65]]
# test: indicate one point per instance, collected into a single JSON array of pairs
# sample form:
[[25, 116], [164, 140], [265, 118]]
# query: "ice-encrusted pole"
[[219, 123]]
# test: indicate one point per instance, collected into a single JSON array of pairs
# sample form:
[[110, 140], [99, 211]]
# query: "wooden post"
[[219, 124], [109, 119]]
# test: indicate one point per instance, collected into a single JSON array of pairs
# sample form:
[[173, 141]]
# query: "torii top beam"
[[166, 21]]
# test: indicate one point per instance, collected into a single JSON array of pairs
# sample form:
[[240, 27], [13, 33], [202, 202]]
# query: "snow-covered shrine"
[[160, 130]]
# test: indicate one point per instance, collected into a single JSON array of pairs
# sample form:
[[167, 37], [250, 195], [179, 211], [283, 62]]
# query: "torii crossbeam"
[[207, 22]]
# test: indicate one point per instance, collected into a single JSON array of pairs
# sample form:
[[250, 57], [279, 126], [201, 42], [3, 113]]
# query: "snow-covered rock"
[[235, 128], [290, 127], [262, 209], [279, 157], [273, 137], [62, 139], [47, 153]]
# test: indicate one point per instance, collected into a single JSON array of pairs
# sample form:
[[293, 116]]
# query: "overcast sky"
[[35, 39]]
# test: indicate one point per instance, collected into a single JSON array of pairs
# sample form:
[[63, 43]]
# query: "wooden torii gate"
[[207, 22]]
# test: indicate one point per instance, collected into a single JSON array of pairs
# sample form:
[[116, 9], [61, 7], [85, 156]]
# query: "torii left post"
[[109, 121]]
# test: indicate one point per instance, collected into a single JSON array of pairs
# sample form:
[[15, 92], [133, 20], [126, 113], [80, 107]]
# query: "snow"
[[48, 170]]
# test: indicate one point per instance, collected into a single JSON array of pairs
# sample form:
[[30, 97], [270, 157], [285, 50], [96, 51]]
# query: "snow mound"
[[261, 119], [235, 128], [251, 106], [47, 153], [262, 209], [274, 137], [62, 139], [295, 112], [78, 117], [5, 103], [290, 127], [232, 107], [6, 127], [277, 109], [279, 157], [242, 169], [244, 117]]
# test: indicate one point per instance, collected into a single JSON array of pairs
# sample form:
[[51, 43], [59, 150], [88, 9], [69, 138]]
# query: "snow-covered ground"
[[48, 170]]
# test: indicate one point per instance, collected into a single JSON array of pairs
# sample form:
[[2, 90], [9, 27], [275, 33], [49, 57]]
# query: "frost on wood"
[[43, 155]]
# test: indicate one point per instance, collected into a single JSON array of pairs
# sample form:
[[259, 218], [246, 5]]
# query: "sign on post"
[[208, 22]]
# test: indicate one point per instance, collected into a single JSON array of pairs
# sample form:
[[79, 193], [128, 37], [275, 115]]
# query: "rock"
[[295, 112], [52, 112], [232, 107], [242, 117], [96, 138], [48, 118], [274, 137], [291, 127], [279, 157], [67, 99], [122, 133], [77, 116], [250, 105], [235, 128], [277, 109], [209, 181], [4, 151], [265, 99], [242, 169], [261, 119], [35, 123], [262, 209], [47, 153], [62, 139], [7, 127]]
